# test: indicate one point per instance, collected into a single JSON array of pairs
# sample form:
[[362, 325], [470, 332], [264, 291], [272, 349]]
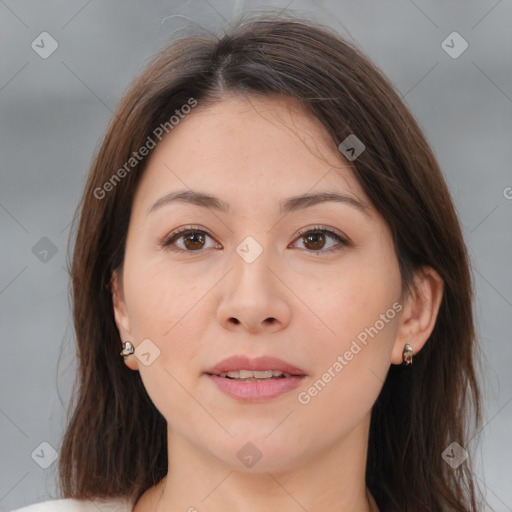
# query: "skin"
[[200, 307]]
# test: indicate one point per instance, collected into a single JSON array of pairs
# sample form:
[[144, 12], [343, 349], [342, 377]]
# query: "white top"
[[72, 505]]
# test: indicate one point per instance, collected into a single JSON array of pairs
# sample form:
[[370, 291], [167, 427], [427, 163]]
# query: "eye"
[[193, 238], [315, 239]]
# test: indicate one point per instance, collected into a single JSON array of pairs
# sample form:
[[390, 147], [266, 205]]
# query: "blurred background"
[[64, 65]]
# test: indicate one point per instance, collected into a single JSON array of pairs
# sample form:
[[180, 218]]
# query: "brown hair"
[[115, 443]]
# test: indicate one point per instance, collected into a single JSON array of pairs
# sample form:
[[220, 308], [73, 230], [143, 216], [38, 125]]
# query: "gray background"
[[55, 111]]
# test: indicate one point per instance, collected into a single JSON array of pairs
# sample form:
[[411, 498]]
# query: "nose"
[[254, 297]]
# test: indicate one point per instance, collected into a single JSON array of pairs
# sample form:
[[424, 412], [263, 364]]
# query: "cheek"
[[361, 309], [341, 401], [160, 296], [167, 309], [350, 367], [361, 295]]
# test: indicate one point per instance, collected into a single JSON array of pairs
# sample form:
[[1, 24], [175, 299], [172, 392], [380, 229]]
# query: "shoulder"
[[72, 505]]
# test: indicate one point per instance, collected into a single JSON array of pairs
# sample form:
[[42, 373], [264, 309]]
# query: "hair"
[[421, 409]]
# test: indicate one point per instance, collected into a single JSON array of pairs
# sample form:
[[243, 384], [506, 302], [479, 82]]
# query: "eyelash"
[[179, 233]]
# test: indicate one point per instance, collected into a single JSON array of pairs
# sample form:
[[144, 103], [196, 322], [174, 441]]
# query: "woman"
[[271, 291]]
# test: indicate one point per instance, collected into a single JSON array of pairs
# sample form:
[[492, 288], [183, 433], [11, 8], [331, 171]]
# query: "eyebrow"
[[289, 205]]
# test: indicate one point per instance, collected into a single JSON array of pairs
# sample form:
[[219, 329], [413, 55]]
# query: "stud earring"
[[128, 349], [407, 354]]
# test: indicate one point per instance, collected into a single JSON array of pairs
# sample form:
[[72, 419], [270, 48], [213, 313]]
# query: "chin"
[[255, 453]]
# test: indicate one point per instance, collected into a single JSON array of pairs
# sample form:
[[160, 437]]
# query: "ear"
[[419, 314], [122, 318]]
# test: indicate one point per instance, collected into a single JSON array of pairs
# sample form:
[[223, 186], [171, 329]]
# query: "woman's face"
[[258, 276]]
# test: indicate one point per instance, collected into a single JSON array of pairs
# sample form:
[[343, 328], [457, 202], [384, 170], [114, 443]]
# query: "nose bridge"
[[251, 261], [253, 296]]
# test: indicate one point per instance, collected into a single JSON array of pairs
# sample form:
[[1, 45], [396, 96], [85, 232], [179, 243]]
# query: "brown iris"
[[317, 239], [195, 240]]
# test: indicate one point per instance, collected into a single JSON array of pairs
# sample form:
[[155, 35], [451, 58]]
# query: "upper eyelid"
[[303, 231]]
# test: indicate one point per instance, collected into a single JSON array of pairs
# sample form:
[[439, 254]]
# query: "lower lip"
[[256, 391]]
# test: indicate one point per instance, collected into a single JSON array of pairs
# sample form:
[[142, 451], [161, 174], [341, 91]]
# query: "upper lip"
[[242, 362]]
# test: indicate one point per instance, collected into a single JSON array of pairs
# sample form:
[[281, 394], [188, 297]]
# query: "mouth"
[[255, 380], [254, 376]]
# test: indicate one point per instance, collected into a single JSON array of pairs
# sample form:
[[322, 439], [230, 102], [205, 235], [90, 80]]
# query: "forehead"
[[249, 150]]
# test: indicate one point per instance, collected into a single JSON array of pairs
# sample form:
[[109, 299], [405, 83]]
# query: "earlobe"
[[419, 314], [129, 358]]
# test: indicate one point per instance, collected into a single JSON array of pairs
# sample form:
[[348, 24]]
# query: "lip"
[[255, 391]]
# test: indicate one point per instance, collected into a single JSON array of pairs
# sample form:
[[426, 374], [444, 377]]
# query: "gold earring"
[[407, 354], [128, 349]]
